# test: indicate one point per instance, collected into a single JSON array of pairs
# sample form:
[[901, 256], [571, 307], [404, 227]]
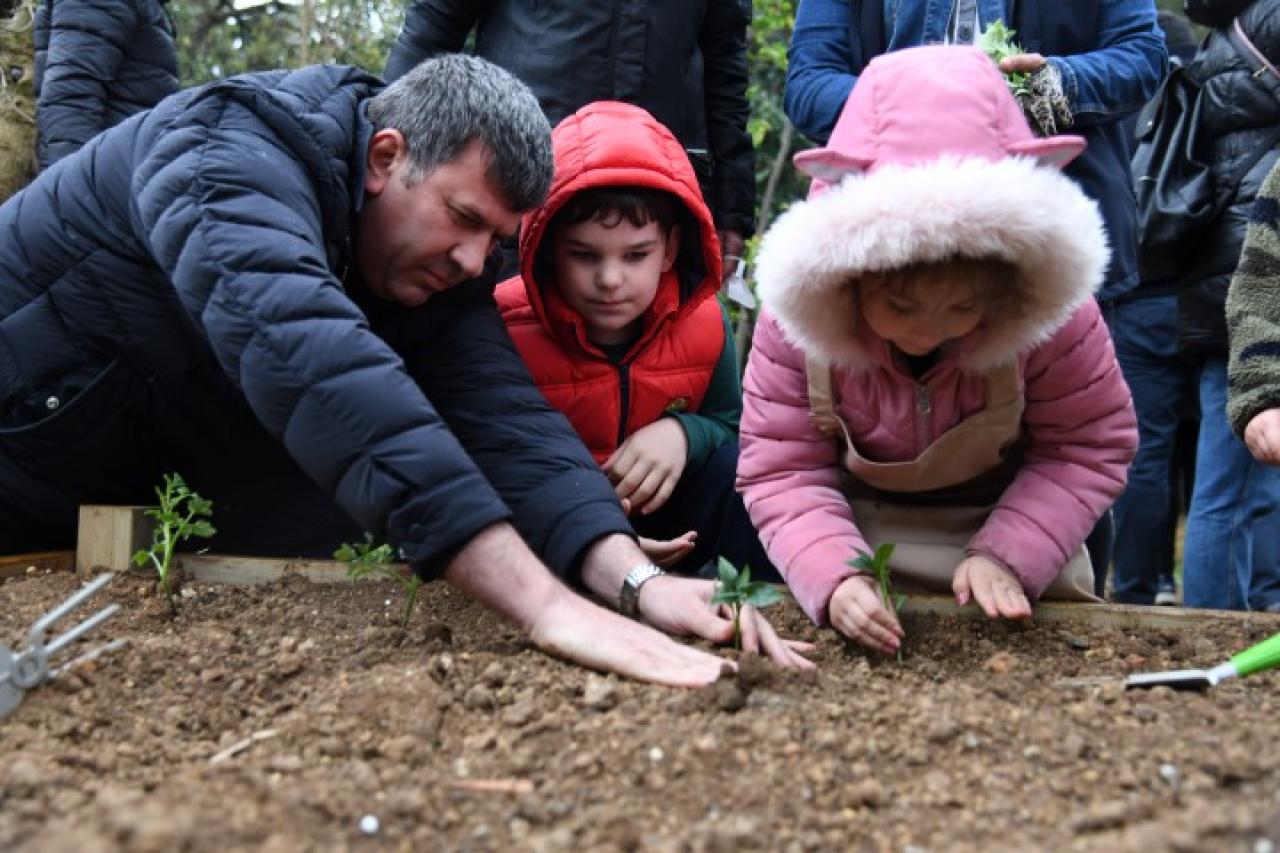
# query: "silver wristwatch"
[[629, 597]]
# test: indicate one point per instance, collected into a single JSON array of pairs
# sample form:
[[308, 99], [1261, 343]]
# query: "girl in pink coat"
[[930, 368]]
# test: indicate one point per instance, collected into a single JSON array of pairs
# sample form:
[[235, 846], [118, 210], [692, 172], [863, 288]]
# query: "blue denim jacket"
[[1112, 69]]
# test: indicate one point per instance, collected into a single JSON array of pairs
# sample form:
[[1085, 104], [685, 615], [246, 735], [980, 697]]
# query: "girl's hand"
[[857, 612], [668, 552], [1262, 436], [993, 586], [644, 470]]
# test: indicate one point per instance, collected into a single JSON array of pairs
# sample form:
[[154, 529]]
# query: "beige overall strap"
[[822, 404]]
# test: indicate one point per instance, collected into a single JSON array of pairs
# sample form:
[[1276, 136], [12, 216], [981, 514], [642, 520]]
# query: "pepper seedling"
[[997, 42], [736, 589], [877, 565], [364, 559], [181, 514]]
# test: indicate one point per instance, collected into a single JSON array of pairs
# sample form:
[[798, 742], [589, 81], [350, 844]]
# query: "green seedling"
[[877, 565], [736, 589], [181, 514], [997, 42], [364, 559]]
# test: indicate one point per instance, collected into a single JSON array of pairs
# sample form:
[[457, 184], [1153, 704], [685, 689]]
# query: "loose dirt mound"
[[276, 718]]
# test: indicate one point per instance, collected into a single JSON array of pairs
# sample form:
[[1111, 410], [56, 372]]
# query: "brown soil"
[[457, 735]]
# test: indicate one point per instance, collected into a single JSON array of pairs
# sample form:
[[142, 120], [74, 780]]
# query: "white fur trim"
[[1015, 209]]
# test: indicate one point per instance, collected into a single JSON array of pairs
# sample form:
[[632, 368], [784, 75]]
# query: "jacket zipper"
[[923, 407], [624, 375]]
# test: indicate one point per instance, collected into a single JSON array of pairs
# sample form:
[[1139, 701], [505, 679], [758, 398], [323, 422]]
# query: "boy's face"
[[610, 274]]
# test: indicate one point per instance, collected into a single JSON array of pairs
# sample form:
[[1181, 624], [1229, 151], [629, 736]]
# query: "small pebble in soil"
[[369, 824], [655, 754], [1169, 773], [1075, 641]]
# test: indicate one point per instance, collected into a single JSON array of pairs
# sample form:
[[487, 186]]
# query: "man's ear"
[[671, 249], [385, 150]]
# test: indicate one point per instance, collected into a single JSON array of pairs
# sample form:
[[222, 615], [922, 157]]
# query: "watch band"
[[629, 597]]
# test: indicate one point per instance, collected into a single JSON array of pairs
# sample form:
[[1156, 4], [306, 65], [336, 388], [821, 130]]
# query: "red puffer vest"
[[670, 366]]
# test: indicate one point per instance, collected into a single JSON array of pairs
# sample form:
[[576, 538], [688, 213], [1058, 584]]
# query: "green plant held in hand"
[[736, 589], [364, 559], [181, 514], [997, 42], [877, 565]]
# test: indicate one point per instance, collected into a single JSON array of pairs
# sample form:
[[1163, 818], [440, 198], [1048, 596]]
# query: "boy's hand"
[[668, 552], [1262, 436], [857, 612], [995, 588], [644, 470]]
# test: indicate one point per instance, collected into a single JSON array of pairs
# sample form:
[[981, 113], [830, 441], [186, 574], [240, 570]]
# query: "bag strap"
[[1263, 71], [822, 401]]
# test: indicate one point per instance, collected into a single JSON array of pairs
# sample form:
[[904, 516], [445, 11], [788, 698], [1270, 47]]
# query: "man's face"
[[417, 241], [610, 273]]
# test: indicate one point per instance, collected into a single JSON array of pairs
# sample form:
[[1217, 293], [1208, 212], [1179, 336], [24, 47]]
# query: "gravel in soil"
[[294, 716]]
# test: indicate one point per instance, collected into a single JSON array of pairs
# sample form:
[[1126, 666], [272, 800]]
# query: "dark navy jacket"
[[217, 229], [1110, 53], [97, 63]]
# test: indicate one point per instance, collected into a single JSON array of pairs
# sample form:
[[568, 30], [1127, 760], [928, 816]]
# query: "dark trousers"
[[114, 442], [705, 500]]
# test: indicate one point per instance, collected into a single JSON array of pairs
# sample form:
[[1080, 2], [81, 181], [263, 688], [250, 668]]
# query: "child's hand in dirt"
[[682, 607], [995, 588], [1262, 436], [644, 470], [668, 552], [857, 612]]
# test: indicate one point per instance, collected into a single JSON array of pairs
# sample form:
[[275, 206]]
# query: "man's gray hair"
[[446, 102]]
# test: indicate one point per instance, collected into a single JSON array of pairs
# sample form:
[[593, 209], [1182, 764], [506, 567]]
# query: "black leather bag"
[[1172, 176]]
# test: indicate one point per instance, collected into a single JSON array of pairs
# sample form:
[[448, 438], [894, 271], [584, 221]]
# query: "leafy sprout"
[[737, 590], [181, 514], [364, 559], [877, 565], [997, 42]]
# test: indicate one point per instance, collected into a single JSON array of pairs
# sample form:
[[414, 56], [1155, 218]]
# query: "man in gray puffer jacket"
[[97, 63]]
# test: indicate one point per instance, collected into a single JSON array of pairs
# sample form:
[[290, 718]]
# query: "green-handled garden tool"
[[1264, 655]]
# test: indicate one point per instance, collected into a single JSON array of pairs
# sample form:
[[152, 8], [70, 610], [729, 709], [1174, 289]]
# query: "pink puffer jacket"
[[1078, 418], [932, 159]]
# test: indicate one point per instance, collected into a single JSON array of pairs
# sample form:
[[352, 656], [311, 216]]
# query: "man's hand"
[[1022, 63], [994, 587], [647, 466], [732, 245], [682, 606], [1262, 436], [497, 569], [668, 552], [857, 612]]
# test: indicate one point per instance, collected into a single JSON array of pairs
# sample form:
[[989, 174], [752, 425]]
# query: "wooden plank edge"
[[1101, 615], [245, 571], [16, 565]]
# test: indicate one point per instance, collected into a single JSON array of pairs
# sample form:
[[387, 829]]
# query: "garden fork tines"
[[28, 667]]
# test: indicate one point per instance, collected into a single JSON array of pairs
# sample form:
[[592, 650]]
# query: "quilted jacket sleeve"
[[723, 40], [88, 40], [1083, 433], [431, 27], [233, 218], [788, 475], [526, 449]]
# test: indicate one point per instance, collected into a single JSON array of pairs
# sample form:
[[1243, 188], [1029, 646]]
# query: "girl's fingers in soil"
[[775, 648], [1013, 603]]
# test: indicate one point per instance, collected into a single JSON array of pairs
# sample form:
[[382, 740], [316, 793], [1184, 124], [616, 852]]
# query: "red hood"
[[608, 143]]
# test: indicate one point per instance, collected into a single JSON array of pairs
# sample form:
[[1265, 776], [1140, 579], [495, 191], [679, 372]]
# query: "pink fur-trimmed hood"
[[931, 159]]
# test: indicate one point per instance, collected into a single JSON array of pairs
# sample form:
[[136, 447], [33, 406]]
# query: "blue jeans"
[[1231, 557], [1145, 333]]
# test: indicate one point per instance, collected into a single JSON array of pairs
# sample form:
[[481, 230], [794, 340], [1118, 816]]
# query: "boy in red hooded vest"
[[615, 314]]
